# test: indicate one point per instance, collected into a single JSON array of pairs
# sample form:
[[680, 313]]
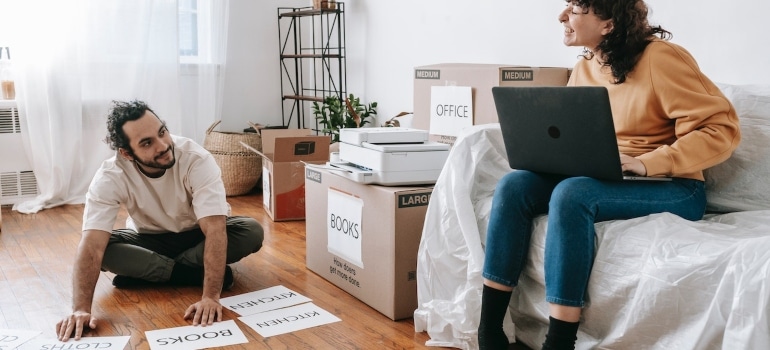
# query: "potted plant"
[[334, 114]]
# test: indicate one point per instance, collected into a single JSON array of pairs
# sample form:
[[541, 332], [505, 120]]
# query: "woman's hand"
[[632, 165]]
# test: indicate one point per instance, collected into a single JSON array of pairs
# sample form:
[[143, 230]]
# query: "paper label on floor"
[[263, 300], [85, 343], [12, 338], [287, 320], [196, 337]]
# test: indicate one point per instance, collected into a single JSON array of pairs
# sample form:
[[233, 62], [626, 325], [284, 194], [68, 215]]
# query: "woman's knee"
[[516, 180], [515, 185], [574, 192]]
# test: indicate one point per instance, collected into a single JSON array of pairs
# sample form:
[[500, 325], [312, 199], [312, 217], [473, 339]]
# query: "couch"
[[658, 282]]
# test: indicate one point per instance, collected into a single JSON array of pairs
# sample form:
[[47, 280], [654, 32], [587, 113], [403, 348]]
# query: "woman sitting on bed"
[[670, 120]]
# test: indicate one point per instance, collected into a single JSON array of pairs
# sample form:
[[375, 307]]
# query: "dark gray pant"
[[151, 257]]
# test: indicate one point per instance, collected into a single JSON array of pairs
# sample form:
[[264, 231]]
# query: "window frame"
[[194, 31]]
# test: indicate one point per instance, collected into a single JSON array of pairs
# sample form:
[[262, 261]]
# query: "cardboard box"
[[364, 239], [283, 170], [480, 78]]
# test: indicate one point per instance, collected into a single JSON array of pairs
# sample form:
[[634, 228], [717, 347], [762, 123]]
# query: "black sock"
[[494, 305], [561, 335], [120, 281], [184, 275]]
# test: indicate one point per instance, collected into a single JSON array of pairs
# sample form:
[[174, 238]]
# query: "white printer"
[[389, 156]]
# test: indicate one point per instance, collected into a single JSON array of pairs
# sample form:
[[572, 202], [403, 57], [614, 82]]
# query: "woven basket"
[[241, 168]]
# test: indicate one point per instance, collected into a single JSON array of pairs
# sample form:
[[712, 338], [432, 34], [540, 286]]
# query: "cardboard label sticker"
[[451, 109], [427, 74], [517, 75], [344, 227], [410, 200], [313, 175]]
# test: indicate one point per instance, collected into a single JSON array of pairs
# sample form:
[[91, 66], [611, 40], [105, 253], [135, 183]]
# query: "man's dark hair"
[[622, 48], [121, 113]]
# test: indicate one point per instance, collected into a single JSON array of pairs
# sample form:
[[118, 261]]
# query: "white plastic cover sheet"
[[450, 256], [741, 182], [658, 282]]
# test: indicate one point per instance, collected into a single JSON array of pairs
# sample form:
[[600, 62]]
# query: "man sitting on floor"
[[179, 231]]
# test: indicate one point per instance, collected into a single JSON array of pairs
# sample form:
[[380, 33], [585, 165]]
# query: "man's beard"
[[157, 165]]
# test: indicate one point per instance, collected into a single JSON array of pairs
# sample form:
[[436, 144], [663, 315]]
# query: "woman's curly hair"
[[623, 46], [121, 113]]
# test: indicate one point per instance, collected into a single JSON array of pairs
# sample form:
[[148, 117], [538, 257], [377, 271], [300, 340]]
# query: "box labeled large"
[[364, 239], [283, 170], [433, 81]]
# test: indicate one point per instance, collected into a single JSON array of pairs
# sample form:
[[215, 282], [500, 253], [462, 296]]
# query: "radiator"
[[17, 180]]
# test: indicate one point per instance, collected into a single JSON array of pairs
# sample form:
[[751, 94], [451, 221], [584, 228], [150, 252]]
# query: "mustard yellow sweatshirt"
[[667, 113]]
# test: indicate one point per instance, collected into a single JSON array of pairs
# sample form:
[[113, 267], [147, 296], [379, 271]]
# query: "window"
[[194, 31], [188, 28]]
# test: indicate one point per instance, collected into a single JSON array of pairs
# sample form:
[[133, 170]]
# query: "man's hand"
[[209, 310], [632, 165], [84, 277], [205, 312], [75, 322]]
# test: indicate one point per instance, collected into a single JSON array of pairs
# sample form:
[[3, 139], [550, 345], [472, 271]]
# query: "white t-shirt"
[[174, 202]]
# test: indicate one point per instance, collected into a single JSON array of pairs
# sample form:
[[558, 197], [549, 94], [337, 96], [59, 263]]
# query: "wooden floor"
[[37, 252]]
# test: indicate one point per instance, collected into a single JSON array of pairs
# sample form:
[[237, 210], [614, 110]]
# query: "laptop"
[[561, 130]]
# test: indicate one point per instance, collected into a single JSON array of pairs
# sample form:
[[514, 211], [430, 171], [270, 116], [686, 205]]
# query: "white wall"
[[387, 39], [252, 75]]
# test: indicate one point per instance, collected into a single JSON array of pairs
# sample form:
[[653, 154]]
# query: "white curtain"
[[203, 83], [72, 58]]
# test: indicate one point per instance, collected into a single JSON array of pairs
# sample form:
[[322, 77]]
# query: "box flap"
[[459, 65], [301, 148], [245, 145], [269, 136]]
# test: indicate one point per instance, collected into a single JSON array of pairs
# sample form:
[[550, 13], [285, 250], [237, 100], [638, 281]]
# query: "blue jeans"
[[573, 205]]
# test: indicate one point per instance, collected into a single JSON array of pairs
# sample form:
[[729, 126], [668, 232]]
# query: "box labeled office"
[[364, 239], [480, 78], [283, 170]]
